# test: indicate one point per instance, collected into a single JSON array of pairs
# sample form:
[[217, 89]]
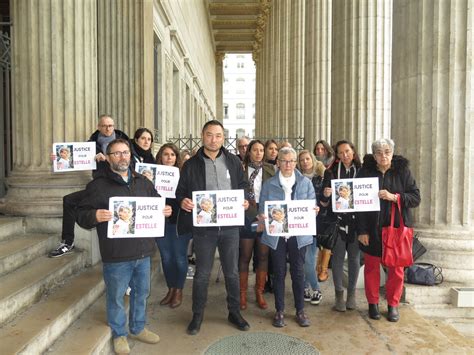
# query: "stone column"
[[296, 53], [281, 67], [54, 94], [361, 72], [433, 124], [317, 86], [125, 62], [219, 86]]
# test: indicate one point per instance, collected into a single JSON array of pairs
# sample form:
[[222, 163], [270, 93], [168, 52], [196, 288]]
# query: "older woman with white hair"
[[395, 179], [287, 184]]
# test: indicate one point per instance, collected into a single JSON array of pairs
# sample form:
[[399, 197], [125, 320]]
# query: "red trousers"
[[393, 285]]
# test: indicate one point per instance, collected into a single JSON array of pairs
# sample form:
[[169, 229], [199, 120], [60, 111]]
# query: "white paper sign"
[[218, 208], [74, 156], [164, 178], [290, 218], [136, 217], [355, 195]]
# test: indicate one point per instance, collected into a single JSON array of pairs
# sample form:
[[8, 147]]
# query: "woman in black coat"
[[395, 179]]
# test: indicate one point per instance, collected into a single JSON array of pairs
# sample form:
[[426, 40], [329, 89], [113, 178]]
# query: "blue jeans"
[[205, 241], [117, 277], [310, 279], [296, 258], [174, 256]]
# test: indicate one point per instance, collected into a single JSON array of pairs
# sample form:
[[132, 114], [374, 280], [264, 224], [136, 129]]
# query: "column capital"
[[219, 56]]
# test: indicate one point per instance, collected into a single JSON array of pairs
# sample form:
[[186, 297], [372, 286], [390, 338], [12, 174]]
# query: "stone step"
[[10, 226], [462, 325], [36, 329], [89, 334], [18, 250], [449, 244], [24, 286], [444, 311], [418, 294], [457, 266]]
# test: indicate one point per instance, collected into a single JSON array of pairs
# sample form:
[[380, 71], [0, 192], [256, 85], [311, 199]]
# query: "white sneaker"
[[190, 274], [128, 291], [316, 297], [307, 294]]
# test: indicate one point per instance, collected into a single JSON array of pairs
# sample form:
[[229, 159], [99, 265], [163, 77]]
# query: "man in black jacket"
[[126, 261], [104, 134], [212, 168]]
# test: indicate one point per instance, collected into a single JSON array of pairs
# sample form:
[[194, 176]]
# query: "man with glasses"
[[126, 261], [212, 168], [242, 145], [104, 134]]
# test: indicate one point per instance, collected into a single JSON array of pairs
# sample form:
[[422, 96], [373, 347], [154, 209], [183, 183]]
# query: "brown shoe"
[[168, 297], [261, 277], [326, 255], [177, 298], [244, 280]]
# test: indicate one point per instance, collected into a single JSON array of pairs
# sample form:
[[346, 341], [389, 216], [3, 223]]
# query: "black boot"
[[236, 319], [195, 325], [374, 311], [393, 315]]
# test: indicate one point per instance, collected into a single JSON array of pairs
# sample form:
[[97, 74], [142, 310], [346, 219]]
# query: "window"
[[240, 65], [240, 80], [240, 92], [240, 56], [226, 132], [240, 132], [240, 111], [226, 110]]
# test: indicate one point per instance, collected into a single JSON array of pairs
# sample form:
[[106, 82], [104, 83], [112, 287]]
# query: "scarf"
[[347, 171], [104, 141], [142, 156], [257, 166], [287, 184], [327, 161]]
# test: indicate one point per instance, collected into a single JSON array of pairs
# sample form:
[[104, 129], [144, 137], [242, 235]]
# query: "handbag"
[[327, 239], [418, 248], [397, 242], [424, 274]]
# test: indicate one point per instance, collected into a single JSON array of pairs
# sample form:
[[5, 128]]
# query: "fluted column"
[[317, 86], [125, 62], [54, 94], [296, 73], [433, 124], [219, 86], [361, 71]]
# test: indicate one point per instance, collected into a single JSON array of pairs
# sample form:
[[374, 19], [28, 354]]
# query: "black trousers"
[[70, 203], [296, 258]]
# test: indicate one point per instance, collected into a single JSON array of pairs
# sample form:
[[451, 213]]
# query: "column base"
[[452, 250], [40, 194]]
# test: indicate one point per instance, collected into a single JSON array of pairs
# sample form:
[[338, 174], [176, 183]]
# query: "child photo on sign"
[[206, 212], [344, 200], [277, 219], [124, 217], [64, 160]]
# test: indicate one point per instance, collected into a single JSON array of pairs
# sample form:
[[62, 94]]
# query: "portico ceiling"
[[234, 24]]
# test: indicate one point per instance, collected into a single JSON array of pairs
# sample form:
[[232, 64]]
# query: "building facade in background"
[[239, 95]]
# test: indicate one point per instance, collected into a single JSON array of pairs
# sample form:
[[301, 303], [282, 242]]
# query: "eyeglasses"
[[287, 162], [107, 126], [118, 154], [243, 146], [382, 153]]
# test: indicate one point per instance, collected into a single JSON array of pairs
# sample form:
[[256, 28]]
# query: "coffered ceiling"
[[234, 24]]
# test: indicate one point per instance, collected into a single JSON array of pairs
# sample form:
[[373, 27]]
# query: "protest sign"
[[290, 218], [136, 217], [355, 195], [165, 178], [74, 156], [218, 208]]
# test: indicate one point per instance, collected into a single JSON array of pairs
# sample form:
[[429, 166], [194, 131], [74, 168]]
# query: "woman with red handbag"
[[396, 183]]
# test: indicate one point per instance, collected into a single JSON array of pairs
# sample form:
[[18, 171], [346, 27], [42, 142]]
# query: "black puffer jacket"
[[98, 192], [193, 178], [398, 179]]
